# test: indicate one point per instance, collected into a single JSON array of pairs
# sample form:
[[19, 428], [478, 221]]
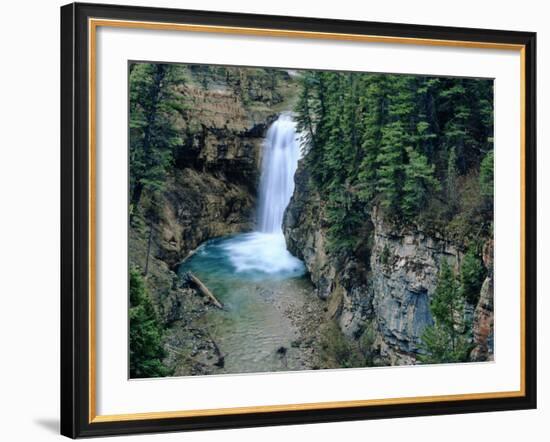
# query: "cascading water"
[[280, 159], [265, 250], [263, 253]]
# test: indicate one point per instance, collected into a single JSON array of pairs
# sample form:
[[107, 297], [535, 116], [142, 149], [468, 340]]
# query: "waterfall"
[[263, 253], [279, 163]]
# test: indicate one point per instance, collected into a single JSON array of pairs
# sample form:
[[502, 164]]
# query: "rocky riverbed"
[[280, 328], [271, 318]]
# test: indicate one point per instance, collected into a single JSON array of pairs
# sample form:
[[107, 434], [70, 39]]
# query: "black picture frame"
[[75, 220]]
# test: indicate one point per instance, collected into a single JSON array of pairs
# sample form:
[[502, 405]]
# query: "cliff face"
[[387, 286], [341, 279], [405, 263], [223, 135], [483, 314], [197, 207]]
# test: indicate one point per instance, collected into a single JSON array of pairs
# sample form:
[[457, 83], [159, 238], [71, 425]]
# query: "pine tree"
[[419, 183], [446, 340], [305, 111], [337, 144], [311, 121], [397, 136], [486, 176], [455, 132], [399, 141], [153, 138], [391, 166], [472, 275], [345, 218], [451, 180], [146, 351], [427, 123], [353, 126], [374, 105]]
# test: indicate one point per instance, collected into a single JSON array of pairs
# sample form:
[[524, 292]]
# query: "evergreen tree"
[[336, 157], [399, 141], [344, 217], [374, 105], [146, 351], [445, 340], [311, 121], [455, 133], [397, 136], [305, 111], [352, 123], [486, 175], [450, 182], [419, 184], [472, 275], [390, 162], [153, 137], [427, 123], [466, 107]]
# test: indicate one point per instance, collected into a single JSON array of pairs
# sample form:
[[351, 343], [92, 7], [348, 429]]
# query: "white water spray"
[[265, 250]]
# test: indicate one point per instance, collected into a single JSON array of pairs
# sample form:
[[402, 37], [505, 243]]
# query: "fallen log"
[[204, 290]]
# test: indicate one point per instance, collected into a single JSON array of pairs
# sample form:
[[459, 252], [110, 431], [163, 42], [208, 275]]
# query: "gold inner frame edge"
[[93, 24]]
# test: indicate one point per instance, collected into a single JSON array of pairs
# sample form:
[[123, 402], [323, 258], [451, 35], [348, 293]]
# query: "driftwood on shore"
[[204, 290]]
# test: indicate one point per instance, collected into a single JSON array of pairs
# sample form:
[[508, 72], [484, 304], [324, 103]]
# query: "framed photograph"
[[274, 220]]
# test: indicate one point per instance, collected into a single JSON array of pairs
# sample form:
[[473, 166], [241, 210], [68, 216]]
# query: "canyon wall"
[[387, 282]]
